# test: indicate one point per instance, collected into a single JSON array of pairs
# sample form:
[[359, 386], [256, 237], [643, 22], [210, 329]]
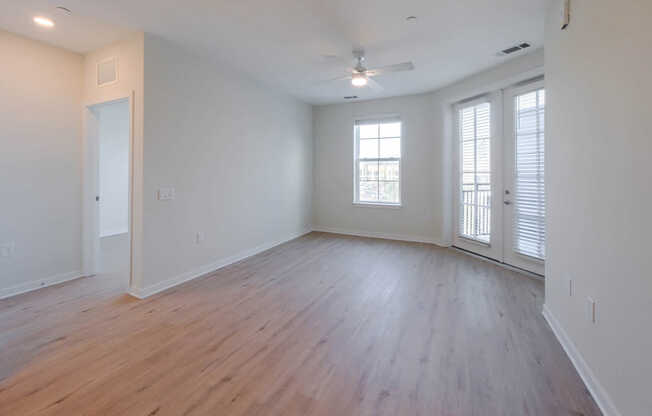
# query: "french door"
[[500, 197]]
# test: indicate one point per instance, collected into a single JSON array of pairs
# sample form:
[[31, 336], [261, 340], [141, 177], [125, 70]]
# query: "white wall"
[[238, 155], [40, 146], [426, 214], [598, 179], [333, 194], [114, 167]]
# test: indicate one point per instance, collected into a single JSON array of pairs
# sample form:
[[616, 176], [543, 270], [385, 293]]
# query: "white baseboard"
[[385, 236], [38, 284], [592, 384], [114, 231], [209, 268]]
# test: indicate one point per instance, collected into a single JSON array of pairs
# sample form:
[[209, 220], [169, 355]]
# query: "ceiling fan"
[[361, 76]]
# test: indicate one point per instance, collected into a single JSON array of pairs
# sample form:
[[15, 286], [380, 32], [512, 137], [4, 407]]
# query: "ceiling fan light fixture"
[[43, 21], [359, 80]]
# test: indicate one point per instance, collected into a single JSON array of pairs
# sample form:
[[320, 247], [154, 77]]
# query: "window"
[[529, 198], [474, 123], [377, 157]]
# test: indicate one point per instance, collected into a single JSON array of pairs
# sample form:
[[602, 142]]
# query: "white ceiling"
[[71, 31], [291, 45]]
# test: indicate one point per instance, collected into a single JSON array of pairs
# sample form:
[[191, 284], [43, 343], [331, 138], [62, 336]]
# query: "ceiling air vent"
[[107, 72], [514, 49]]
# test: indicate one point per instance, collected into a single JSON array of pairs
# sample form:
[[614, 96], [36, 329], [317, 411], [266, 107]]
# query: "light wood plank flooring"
[[322, 325]]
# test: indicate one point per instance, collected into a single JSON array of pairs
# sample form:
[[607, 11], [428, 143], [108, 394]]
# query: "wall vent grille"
[[107, 72], [513, 49]]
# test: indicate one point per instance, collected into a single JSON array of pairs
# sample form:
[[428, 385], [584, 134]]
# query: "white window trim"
[[356, 173], [492, 98], [481, 99], [518, 90]]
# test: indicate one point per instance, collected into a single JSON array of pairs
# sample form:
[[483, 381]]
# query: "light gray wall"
[[40, 150], [333, 193], [598, 180], [427, 158], [114, 167], [238, 155]]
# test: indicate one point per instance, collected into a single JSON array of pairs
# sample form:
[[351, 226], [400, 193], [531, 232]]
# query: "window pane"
[[483, 121], [388, 171], [389, 192], [369, 149], [368, 171], [529, 195], [390, 130], [468, 156], [368, 191], [475, 149], [390, 148], [467, 124], [468, 179], [378, 181], [483, 155], [483, 178], [368, 131]]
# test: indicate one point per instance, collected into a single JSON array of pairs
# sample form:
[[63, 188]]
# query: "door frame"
[[493, 249], [90, 186], [511, 257]]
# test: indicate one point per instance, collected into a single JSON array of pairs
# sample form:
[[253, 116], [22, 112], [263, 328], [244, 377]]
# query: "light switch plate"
[[165, 194]]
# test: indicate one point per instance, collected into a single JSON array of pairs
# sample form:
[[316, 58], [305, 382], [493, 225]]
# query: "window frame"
[[514, 94], [458, 108], [493, 249], [356, 169]]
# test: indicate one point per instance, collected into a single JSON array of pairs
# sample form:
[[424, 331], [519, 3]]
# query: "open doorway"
[[108, 179]]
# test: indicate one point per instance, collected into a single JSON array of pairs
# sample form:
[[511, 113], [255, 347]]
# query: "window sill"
[[474, 241], [377, 205]]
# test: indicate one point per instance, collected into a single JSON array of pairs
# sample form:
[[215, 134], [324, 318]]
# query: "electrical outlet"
[[7, 250], [591, 312]]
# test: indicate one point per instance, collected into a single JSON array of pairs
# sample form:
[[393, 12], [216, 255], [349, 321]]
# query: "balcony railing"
[[475, 221]]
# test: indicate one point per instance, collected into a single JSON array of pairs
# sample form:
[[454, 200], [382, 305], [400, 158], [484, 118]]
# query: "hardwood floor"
[[322, 325]]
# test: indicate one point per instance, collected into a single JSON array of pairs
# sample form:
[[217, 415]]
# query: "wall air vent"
[[513, 49], [107, 72]]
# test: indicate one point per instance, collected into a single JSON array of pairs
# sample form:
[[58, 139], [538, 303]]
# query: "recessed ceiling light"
[[43, 21], [411, 18]]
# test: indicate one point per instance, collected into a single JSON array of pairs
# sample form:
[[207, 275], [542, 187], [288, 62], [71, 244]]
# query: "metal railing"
[[476, 213]]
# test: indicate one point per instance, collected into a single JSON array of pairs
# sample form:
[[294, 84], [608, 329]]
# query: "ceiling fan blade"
[[405, 66], [344, 78], [374, 85]]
